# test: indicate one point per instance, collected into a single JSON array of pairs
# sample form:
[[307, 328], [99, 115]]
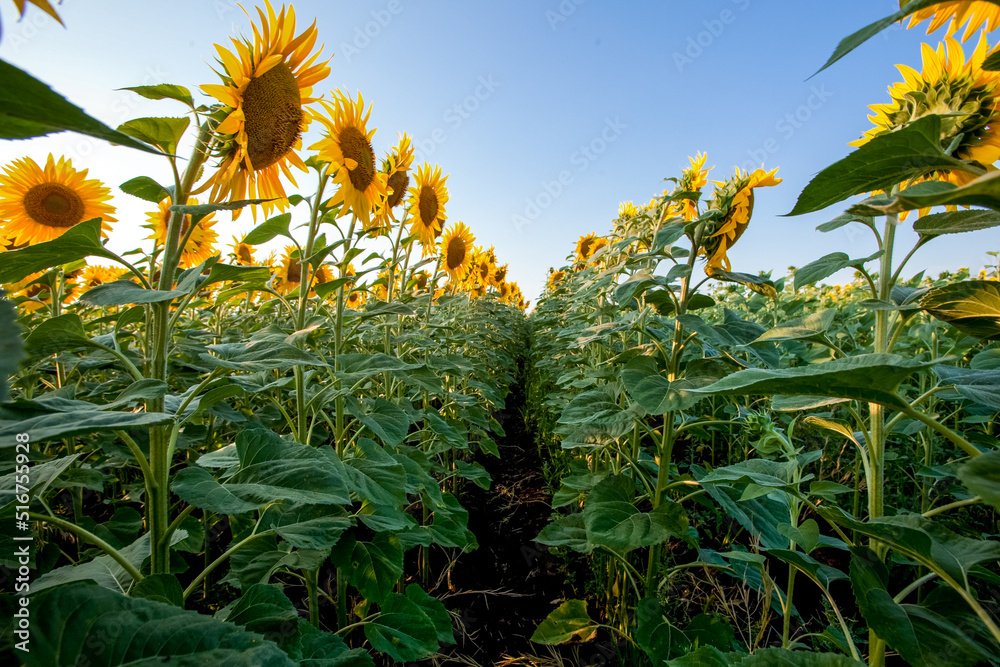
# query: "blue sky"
[[546, 114]]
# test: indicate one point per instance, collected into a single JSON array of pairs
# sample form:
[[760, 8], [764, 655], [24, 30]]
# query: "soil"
[[501, 591]]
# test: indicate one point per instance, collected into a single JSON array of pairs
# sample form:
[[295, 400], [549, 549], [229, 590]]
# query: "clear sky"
[[545, 113]]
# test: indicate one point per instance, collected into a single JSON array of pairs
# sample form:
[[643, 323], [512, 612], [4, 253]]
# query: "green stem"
[[220, 560]]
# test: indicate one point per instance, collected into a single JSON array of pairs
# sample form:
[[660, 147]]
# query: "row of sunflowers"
[[220, 456], [768, 472]]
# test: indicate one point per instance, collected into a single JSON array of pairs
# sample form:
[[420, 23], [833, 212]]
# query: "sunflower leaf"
[[162, 132], [881, 163], [267, 230], [164, 91], [29, 108], [972, 307], [199, 211], [858, 38], [826, 266], [80, 241], [146, 188]]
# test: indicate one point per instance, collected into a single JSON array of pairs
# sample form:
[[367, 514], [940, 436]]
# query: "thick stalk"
[[158, 500]]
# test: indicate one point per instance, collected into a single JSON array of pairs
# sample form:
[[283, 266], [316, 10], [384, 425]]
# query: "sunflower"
[[242, 252], [499, 275], [585, 246], [420, 280], [692, 180], [288, 274], [38, 205], [556, 277], [599, 244], [965, 95], [347, 146], [456, 255], [199, 246], [356, 299], [382, 286], [484, 269], [974, 12], [348, 272], [734, 199], [627, 210], [266, 86], [427, 199], [95, 274]]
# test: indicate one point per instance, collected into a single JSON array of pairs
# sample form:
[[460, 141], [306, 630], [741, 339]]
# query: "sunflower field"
[[362, 450]]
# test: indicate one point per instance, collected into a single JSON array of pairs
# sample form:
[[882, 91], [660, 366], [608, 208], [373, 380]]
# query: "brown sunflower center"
[[427, 204], [456, 253], [54, 205], [500, 275], [421, 280], [355, 145], [398, 181], [585, 247], [294, 270], [272, 109], [243, 253], [484, 270]]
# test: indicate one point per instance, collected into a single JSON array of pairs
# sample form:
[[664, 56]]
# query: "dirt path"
[[510, 584]]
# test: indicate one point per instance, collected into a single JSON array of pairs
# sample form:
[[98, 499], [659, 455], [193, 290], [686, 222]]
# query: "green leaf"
[[66, 424], [826, 266], [475, 473], [229, 273], [125, 293], [956, 222], [386, 420], [162, 91], [868, 377], [435, 610], [858, 38], [85, 624], [981, 476], [163, 588], [270, 469], [982, 191], [923, 637], [821, 574], [806, 535], [29, 108], [925, 541], [978, 386], [402, 630], [653, 391], [80, 241], [262, 609], [162, 132], [884, 161], [655, 635], [568, 621], [375, 566], [757, 284], [568, 531], [267, 230], [104, 570], [307, 526], [199, 211], [145, 188], [375, 476], [11, 346], [972, 307], [57, 334], [614, 522]]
